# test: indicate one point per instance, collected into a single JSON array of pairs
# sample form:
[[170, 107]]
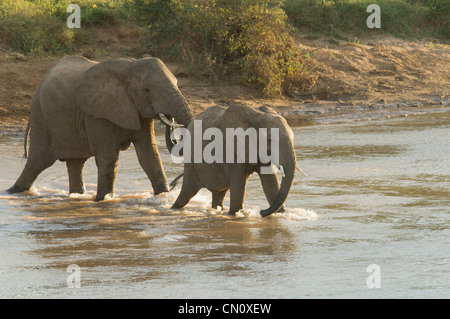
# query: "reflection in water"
[[142, 237], [106, 230], [376, 193]]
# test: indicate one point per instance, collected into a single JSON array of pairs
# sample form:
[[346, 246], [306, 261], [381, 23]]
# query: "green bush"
[[245, 38], [39, 27], [37, 35], [104, 14], [440, 15], [347, 18]]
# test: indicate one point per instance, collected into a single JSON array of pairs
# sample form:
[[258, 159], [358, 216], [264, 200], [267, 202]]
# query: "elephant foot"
[[77, 190], [178, 204], [265, 212], [80, 192], [16, 189], [232, 212], [99, 198], [161, 188]]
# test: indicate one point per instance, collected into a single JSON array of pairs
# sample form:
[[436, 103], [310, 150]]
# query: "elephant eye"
[[147, 90]]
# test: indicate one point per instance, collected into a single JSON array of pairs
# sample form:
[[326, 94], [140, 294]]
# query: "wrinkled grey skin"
[[219, 177], [84, 108]]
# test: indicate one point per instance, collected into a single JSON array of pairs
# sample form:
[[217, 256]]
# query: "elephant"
[[221, 176], [84, 108]]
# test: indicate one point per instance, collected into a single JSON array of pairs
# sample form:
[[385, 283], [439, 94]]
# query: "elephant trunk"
[[181, 110], [182, 115], [170, 143], [289, 162]]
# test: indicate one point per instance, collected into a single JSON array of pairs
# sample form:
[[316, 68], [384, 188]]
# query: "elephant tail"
[[174, 182], [25, 144]]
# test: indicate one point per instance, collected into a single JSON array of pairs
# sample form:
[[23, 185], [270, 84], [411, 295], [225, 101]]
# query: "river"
[[370, 220]]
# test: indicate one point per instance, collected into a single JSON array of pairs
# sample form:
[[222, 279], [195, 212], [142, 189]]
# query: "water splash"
[[146, 201], [297, 214]]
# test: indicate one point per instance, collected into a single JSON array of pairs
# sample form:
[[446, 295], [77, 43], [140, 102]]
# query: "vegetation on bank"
[[344, 19], [251, 40], [39, 27]]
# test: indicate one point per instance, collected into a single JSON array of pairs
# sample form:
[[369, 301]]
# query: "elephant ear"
[[101, 93]]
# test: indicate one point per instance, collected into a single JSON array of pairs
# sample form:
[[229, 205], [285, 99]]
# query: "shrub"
[[36, 35], [440, 15], [245, 38], [347, 18], [39, 27]]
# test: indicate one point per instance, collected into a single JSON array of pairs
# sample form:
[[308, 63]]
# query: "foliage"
[[36, 35], [245, 38], [39, 27], [440, 15], [252, 40], [347, 18]]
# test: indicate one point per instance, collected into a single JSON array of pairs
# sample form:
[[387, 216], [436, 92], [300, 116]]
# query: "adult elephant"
[[232, 172], [84, 108]]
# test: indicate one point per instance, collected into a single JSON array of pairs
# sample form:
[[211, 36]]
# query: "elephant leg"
[[149, 159], [40, 155], [237, 182], [105, 145], [217, 198], [33, 168], [76, 180], [189, 189], [107, 172], [271, 187], [40, 158]]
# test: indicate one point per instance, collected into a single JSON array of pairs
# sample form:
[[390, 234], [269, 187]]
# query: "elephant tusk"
[[166, 121], [300, 171], [281, 168]]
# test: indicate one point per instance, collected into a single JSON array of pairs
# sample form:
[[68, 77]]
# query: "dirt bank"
[[374, 78]]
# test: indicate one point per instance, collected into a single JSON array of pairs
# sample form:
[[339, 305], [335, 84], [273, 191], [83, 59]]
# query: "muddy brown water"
[[376, 195]]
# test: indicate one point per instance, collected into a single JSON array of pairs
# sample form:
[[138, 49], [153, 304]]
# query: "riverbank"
[[373, 78]]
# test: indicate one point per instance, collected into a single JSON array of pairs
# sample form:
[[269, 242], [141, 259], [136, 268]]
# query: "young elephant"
[[228, 165]]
